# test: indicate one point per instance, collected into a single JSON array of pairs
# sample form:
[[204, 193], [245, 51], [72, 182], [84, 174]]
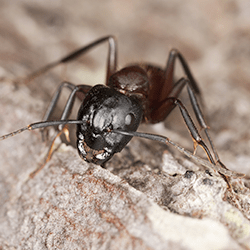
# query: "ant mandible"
[[110, 114]]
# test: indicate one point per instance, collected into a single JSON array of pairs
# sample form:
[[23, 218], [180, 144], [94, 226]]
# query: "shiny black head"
[[103, 110]]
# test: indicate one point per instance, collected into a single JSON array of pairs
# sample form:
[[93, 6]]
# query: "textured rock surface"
[[148, 197]]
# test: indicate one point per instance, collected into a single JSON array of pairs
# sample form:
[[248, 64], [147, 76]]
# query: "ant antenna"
[[215, 167], [37, 125], [163, 139]]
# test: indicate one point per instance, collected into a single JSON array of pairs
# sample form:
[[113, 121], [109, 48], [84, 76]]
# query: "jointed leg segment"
[[65, 115], [193, 91], [111, 62]]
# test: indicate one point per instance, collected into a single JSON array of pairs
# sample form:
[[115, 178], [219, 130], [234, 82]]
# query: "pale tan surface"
[[95, 209]]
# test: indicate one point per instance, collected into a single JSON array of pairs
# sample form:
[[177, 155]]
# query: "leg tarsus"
[[201, 120], [50, 151], [190, 125], [67, 110]]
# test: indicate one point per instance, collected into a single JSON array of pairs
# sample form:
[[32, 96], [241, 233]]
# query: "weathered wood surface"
[[148, 197]]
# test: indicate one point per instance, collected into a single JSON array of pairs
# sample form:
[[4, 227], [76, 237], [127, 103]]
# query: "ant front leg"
[[83, 89], [76, 90], [54, 102], [201, 120], [171, 102], [79, 91]]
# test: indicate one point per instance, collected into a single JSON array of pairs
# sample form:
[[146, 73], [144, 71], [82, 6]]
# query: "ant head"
[[103, 110]]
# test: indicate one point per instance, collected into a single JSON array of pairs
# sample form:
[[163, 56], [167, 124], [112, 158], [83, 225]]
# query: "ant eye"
[[129, 119]]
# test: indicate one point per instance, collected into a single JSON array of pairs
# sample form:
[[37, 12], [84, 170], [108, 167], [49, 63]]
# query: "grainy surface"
[[148, 197]]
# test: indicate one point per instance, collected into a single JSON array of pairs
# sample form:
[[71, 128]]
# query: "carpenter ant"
[[110, 114]]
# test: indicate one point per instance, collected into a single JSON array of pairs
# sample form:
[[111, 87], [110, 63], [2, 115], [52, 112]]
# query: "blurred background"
[[214, 37]]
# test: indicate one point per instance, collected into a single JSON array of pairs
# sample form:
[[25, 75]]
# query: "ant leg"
[[195, 134], [191, 127], [163, 108], [47, 123], [55, 98], [193, 91], [70, 102], [53, 104], [198, 113], [201, 120], [166, 106], [169, 74], [54, 101], [50, 152], [66, 112], [111, 62], [69, 105], [83, 88]]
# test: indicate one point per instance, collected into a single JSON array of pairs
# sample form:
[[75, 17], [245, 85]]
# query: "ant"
[[110, 114]]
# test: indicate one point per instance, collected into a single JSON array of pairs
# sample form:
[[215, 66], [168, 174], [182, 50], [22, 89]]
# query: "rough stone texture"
[[148, 197]]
